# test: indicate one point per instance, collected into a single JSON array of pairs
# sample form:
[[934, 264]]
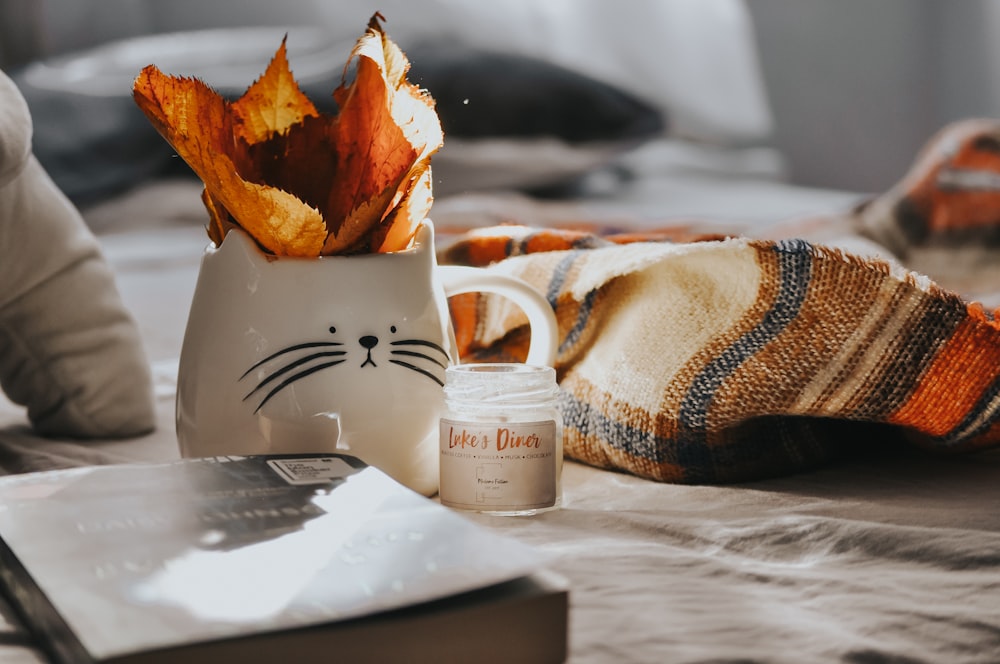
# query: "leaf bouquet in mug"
[[319, 320]]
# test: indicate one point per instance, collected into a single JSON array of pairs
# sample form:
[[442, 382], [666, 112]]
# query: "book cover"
[[133, 562]]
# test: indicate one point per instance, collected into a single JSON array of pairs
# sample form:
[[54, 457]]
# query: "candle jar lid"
[[508, 383]]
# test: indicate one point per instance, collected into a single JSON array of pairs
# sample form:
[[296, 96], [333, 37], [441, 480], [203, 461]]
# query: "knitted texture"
[[950, 196], [735, 359]]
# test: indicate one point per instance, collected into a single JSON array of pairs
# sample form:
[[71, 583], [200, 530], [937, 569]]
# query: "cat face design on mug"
[[338, 353], [388, 352]]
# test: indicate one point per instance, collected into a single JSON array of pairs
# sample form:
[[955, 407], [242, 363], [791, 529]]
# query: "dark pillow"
[[480, 94], [515, 122], [94, 141], [92, 145]]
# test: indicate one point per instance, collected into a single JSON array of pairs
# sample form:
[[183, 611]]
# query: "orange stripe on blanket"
[[464, 309], [487, 246], [978, 311], [964, 367], [481, 249]]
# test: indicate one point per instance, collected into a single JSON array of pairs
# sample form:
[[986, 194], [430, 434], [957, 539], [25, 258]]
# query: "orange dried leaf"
[[278, 220], [301, 182], [391, 129], [218, 218], [405, 218], [196, 121], [273, 104], [376, 154]]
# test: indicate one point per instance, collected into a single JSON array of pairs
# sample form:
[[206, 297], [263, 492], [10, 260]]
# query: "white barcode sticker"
[[311, 470]]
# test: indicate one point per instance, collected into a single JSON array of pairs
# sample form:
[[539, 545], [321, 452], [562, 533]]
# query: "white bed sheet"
[[894, 558]]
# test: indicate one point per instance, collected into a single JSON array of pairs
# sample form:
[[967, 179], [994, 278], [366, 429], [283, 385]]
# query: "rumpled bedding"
[[890, 559], [739, 359], [887, 555]]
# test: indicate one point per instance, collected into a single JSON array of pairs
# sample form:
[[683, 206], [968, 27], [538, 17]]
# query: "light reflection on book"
[[225, 586]]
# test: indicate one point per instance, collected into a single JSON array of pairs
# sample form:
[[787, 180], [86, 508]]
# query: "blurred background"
[[851, 88]]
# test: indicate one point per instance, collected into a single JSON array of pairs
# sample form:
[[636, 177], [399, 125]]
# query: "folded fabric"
[[949, 198], [735, 359], [69, 349]]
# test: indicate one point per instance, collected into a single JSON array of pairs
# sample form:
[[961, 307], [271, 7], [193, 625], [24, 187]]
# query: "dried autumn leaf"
[[219, 221], [391, 129], [298, 181], [273, 104], [402, 222], [198, 123]]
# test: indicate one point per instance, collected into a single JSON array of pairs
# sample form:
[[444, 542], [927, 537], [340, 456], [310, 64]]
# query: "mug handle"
[[544, 328]]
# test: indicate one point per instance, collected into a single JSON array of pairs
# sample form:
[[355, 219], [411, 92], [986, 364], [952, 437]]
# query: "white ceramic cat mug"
[[337, 353]]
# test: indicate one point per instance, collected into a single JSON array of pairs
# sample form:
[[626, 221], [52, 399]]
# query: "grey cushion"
[[69, 350]]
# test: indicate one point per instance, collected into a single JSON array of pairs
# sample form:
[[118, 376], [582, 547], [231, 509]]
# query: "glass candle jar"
[[501, 439]]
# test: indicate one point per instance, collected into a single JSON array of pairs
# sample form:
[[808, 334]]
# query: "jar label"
[[498, 466]]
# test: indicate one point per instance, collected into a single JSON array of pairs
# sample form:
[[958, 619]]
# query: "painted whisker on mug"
[[285, 383], [289, 349], [442, 363], [294, 364]]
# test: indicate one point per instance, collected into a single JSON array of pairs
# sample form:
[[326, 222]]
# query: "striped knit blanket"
[[735, 359]]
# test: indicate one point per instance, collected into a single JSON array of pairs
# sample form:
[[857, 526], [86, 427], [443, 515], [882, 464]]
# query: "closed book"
[[295, 558]]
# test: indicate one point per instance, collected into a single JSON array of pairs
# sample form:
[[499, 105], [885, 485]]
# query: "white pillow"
[[69, 350]]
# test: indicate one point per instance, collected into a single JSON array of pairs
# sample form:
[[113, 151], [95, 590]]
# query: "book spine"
[[43, 624], [16, 642]]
